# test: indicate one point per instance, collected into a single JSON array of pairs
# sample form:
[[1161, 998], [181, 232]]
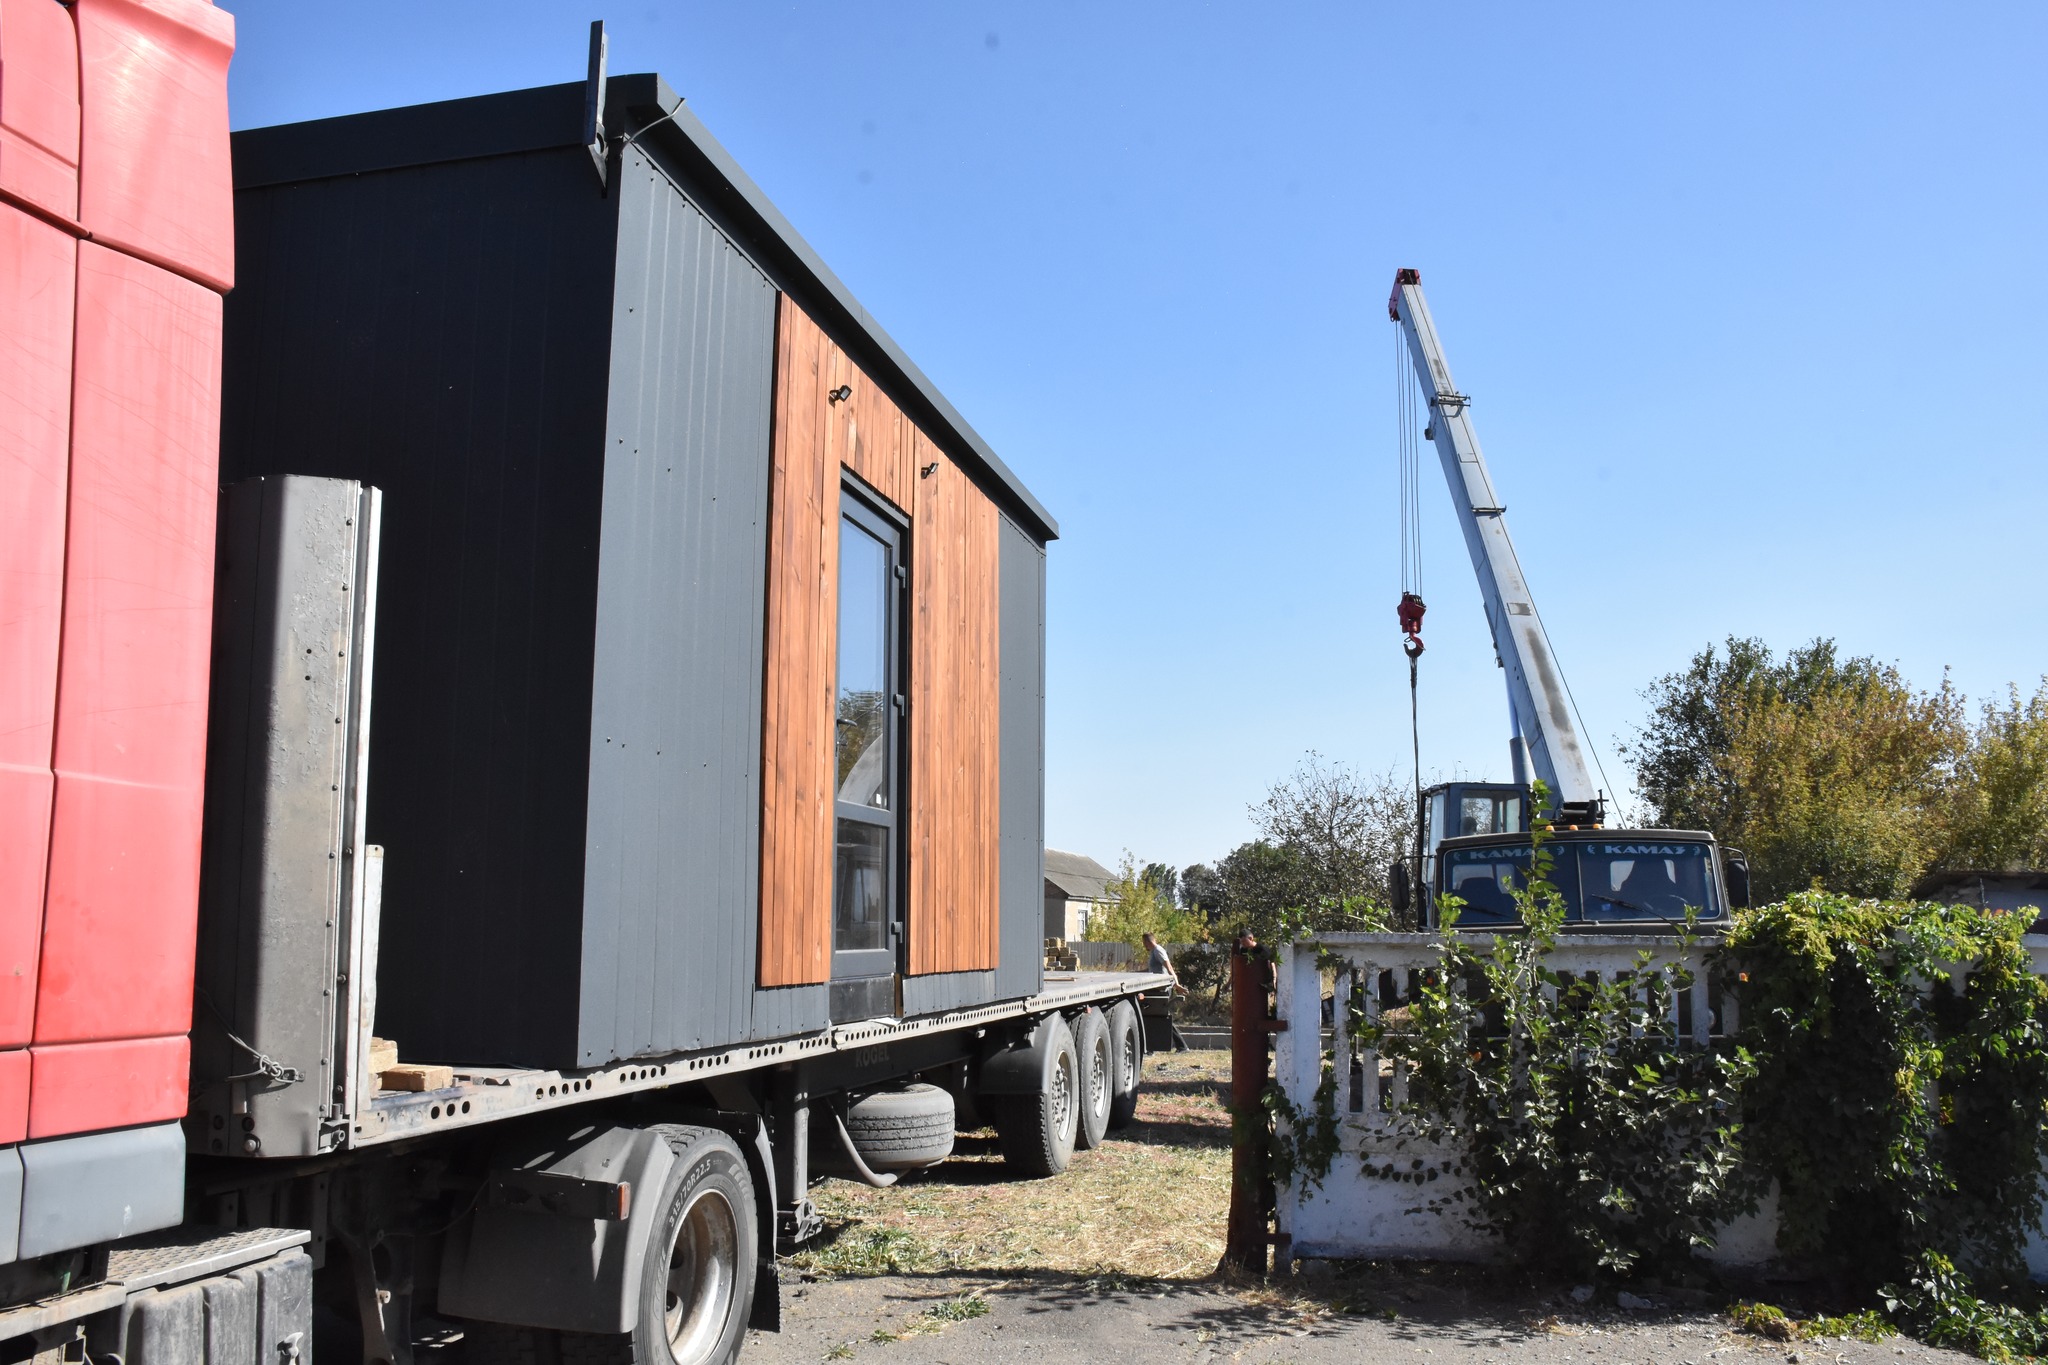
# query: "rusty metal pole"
[[1244, 1243]]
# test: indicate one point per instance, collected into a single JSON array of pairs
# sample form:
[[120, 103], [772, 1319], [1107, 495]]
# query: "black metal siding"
[[672, 876], [1020, 935], [442, 333]]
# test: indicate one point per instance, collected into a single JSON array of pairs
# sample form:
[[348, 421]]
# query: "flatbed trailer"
[[485, 1094], [364, 1230]]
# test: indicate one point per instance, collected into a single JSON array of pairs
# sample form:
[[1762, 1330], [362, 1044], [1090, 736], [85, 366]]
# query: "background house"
[[1074, 885]]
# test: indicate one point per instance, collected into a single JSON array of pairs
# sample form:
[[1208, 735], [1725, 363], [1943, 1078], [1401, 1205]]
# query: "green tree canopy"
[[1837, 773], [1998, 819], [1136, 907]]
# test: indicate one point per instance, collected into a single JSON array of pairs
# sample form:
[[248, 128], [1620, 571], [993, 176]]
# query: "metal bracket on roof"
[[593, 101]]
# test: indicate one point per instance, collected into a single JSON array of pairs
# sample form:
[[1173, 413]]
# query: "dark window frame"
[[872, 515]]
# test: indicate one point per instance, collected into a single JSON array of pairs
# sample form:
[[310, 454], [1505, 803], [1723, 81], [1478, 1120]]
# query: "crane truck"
[[1474, 838], [696, 851]]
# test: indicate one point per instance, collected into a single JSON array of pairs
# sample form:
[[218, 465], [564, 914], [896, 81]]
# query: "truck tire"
[[902, 1130], [1127, 1063], [697, 1280], [1037, 1130], [1096, 1081]]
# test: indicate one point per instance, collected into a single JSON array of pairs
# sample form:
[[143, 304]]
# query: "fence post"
[[1251, 1027]]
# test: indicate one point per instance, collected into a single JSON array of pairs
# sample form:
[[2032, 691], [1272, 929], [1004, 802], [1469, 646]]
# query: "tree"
[[1341, 830], [1998, 820], [1201, 888], [1164, 880], [1829, 772], [1136, 907]]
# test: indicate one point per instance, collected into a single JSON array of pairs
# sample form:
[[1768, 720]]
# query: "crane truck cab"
[[1652, 880], [1477, 847]]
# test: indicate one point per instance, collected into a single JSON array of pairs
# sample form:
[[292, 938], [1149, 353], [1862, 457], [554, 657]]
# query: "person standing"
[[1160, 963]]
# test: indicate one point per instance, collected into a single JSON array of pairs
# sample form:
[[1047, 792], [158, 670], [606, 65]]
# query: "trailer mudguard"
[[543, 1261], [1019, 1064]]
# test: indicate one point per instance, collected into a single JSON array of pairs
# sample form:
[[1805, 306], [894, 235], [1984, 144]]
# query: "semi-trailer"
[[524, 721]]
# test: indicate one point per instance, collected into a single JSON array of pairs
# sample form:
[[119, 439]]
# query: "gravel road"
[[1407, 1317]]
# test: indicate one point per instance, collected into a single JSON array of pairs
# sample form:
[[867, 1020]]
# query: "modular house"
[[708, 686]]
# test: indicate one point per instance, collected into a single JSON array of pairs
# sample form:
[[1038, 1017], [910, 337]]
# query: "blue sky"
[[1749, 299]]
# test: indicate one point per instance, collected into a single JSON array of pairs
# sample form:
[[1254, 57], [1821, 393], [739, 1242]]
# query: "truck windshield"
[[1612, 880]]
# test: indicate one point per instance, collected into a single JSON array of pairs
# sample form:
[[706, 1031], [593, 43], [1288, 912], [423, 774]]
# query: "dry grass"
[[1149, 1204]]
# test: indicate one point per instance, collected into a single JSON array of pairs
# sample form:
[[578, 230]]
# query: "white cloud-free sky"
[[1750, 300]]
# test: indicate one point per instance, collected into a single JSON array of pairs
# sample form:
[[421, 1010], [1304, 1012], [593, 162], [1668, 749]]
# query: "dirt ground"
[[1047, 1319], [1115, 1260]]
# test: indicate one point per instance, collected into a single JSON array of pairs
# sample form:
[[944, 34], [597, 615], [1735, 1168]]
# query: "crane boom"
[[1538, 705]]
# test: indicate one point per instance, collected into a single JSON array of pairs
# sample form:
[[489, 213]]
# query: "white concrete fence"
[[1349, 1214]]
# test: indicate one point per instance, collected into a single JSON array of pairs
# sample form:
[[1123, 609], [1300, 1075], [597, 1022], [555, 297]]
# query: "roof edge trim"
[[680, 131], [548, 117]]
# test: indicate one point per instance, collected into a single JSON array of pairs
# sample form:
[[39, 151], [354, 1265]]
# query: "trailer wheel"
[[1037, 1131], [697, 1282], [1097, 1079], [1127, 1063]]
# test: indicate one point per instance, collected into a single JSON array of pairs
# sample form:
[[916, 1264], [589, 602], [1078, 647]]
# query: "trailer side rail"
[[488, 1094]]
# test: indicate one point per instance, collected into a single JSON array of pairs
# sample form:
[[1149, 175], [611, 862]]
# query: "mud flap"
[[767, 1314]]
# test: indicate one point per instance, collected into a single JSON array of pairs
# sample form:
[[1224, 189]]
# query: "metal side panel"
[[10, 1204], [943, 991], [1021, 932], [671, 873], [76, 1191], [281, 905]]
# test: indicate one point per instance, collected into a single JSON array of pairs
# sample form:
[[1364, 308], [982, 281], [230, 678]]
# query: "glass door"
[[867, 897]]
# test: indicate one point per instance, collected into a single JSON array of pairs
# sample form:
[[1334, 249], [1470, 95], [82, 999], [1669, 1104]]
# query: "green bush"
[[1901, 1084], [1592, 1140], [1890, 1077]]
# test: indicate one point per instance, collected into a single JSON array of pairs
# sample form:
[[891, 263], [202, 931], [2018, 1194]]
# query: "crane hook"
[[1410, 613]]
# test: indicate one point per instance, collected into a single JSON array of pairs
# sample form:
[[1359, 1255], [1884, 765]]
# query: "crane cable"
[[1408, 452]]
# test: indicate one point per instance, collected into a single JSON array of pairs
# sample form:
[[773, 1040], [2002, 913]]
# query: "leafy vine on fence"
[[1593, 1139], [1903, 1086], [1889, 1081]]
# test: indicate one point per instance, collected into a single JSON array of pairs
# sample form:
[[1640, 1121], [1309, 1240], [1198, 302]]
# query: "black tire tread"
[[1091, 1031], [901, 1129], [1123, 1099], [1025, 1129]]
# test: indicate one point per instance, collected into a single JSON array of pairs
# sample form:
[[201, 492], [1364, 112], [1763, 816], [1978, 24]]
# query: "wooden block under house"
[[413, 1076]]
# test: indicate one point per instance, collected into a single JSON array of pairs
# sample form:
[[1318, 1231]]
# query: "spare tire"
[[901, 1130]]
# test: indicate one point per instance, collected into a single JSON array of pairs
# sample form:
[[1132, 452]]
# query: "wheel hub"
[[702, 1267], [1063, 1095]]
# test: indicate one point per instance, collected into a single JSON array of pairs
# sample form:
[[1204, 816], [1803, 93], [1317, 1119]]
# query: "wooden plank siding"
[[801, 653], [952, 824], [865, 432], [955, 734]]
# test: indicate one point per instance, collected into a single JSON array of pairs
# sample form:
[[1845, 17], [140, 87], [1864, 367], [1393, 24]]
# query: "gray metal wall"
[[942, 991], [1021, 936], [672, 871]]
